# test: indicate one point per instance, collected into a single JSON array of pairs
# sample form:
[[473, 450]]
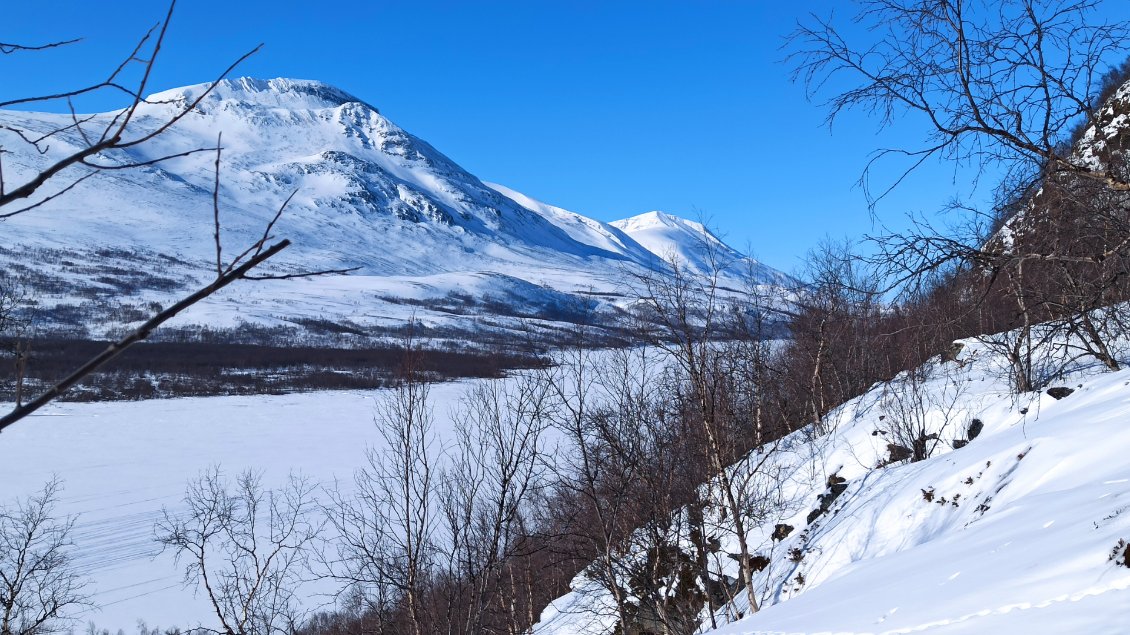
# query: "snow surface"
[[1015, 539], [122, 462], [1016, 536]]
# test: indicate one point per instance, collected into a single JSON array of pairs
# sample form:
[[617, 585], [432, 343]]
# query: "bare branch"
[[9, 48], [137, 335]]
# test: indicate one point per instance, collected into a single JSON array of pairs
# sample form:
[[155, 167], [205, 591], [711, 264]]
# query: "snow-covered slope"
[[1013, 532], [366, 194]]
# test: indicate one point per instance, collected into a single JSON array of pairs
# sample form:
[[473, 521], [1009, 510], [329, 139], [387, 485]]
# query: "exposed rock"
[[782, 531], [836, 486], [898, 453], [951, 354], [758, 562], [1059, 392], [975, 428]]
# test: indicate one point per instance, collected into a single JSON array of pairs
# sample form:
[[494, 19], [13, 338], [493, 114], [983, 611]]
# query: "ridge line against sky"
[[608, 109]]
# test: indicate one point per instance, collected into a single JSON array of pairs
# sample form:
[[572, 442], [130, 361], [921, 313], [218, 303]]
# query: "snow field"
[[122, 462]]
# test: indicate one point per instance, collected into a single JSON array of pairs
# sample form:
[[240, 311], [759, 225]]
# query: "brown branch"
[[7, 48], [139, 334], [27, 189], [216, 208], [257, 246], [113, 136]]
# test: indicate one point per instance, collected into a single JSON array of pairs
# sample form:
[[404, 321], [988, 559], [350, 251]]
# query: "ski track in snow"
[[122, 463]]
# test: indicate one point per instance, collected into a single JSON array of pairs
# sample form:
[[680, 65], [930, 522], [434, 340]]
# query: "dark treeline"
[[207, 368]]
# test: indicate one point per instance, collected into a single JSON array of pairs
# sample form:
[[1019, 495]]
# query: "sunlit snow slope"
[[1012, 533]]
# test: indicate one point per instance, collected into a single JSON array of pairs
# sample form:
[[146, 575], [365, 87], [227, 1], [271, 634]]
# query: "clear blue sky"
[[609, 109]]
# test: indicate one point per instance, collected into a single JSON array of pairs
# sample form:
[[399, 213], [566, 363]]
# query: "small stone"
[[1059, 392], [975, 428]]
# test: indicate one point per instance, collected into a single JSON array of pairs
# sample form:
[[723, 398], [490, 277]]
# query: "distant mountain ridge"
[[429, 239]]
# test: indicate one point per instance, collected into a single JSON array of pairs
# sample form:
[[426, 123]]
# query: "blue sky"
[[609, 109]]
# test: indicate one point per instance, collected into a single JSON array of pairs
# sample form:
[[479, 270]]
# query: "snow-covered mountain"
[[692, 245], [428, 238]]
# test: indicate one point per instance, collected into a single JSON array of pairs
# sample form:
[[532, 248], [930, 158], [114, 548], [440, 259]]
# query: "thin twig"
[[216, 207]]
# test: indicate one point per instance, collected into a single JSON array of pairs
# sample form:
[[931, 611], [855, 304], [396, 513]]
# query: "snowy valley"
[[339, 385]]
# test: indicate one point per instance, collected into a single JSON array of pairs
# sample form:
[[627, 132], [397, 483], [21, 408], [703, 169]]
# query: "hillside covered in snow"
[[974, 485], [1017, 521]]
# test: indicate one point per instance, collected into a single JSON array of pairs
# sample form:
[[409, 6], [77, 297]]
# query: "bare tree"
[[11, 299], [494, 469], [360, 555], [919, 406], [991, 81], [14, 327], [39, 582], [1018, 85], [718, 343], [595, 486], [639, 425], [245, 548], [386, 529]]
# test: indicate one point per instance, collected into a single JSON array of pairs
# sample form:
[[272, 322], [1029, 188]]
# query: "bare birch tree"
[[597, 488], [716, 340], [1010, 86], [495, 467], [245, 548], [40, 585], [386, 548], [990, 82]]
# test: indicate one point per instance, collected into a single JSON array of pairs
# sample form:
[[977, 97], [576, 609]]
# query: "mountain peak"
[[281, 92], [656, 220]]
